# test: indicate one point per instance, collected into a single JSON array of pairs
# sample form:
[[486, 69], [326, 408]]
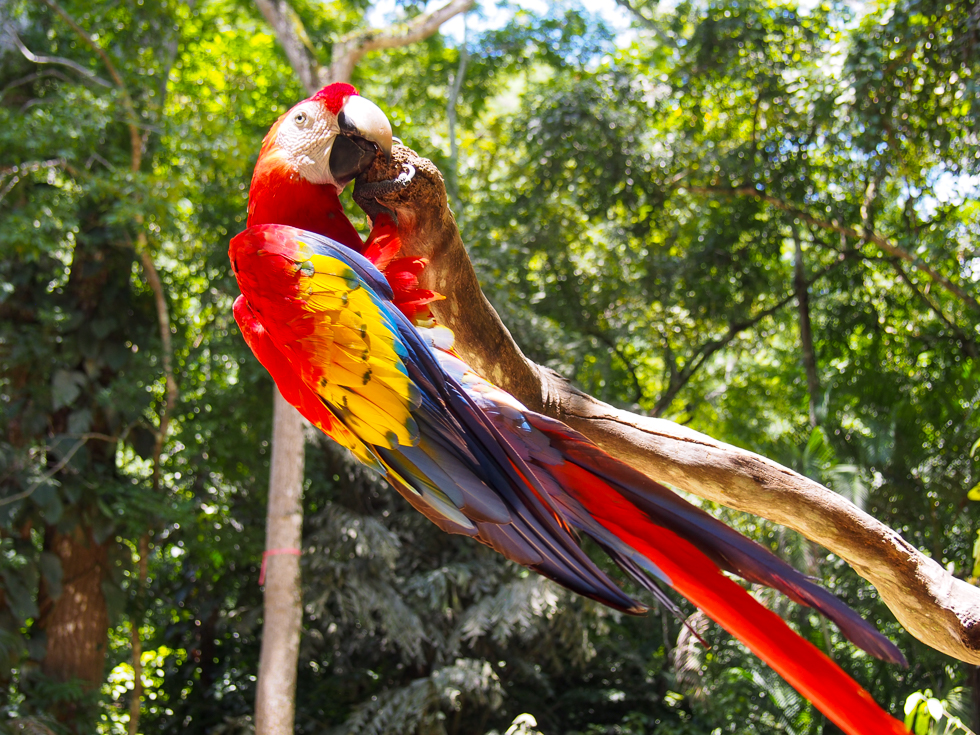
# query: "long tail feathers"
[[728, 549], [797, 660], [646, 528]]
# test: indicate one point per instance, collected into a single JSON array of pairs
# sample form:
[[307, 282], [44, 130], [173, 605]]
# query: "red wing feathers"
[[402, 274]]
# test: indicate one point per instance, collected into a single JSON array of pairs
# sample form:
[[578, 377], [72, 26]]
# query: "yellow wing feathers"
[[351, 354]]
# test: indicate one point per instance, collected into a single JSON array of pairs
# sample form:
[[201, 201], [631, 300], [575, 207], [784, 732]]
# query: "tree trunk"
[[806, 332], [283, 600], [77, 621]]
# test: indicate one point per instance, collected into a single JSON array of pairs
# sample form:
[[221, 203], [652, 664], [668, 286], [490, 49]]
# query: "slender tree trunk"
[[275, 696], [806, 332], [135, 699], [276, 691], [135, 621], [76, 623], [452, 181]]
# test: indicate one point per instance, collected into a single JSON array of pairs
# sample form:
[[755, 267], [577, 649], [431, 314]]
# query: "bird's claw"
[[406, 176], [367, 194], [378, 189]]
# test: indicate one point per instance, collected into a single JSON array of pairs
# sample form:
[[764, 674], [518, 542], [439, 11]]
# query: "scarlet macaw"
[[342, 327]]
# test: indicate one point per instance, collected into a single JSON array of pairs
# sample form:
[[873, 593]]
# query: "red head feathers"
[[309, 155]]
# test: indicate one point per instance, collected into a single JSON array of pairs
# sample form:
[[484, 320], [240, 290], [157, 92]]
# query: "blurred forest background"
[[754, 217]]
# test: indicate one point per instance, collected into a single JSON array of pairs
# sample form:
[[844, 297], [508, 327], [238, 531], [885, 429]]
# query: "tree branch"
[[858, 233], [16, 173], [451, 103], [802, 289], [163, 322], [292, 37], [82, 439], [350, 49], [967, 344], [33, 77], [74, 66], [135, 139], [645, 22], [679, 379], [937, 608], [595, 331]]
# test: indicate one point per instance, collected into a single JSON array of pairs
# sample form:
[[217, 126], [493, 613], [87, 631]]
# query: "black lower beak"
[[350, 157]]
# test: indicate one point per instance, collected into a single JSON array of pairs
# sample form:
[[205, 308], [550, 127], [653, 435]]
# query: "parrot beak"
[[364, 131]]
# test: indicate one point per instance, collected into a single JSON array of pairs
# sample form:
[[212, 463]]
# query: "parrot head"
[[310, 154]]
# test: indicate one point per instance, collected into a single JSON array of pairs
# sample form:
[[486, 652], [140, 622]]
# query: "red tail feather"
[[696, 577]]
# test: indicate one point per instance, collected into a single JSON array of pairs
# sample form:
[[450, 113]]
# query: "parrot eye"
[[300, 118]]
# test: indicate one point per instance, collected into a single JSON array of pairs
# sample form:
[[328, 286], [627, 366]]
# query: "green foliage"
[[636, 205], [925, 714]]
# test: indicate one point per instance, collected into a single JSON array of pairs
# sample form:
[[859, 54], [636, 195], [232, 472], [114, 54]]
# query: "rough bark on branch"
[[937, 608]]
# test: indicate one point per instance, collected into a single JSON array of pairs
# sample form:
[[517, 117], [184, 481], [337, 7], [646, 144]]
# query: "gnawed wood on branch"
[[937, 608]]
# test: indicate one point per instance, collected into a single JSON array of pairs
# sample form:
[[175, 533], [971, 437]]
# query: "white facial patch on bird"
[[307, 135]]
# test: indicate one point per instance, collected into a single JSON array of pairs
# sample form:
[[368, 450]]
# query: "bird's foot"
[[367, 193], [387, 187]]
